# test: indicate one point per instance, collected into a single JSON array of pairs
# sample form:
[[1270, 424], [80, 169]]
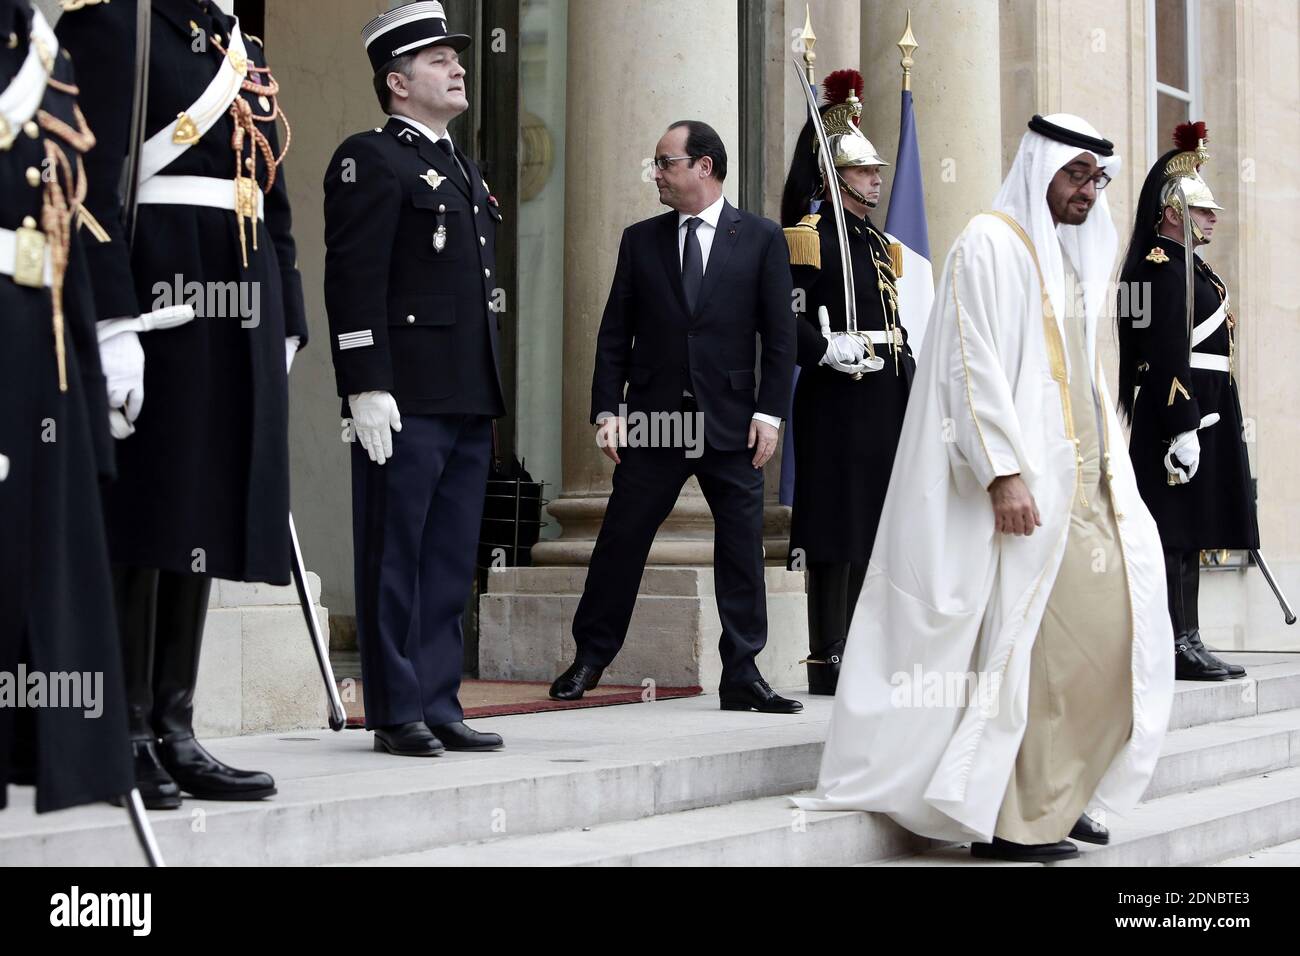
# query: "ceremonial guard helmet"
[[849, 146], [1182, 170]]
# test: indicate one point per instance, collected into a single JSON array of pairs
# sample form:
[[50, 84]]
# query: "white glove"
[[1185, 449], [844, 353], [4, 467], [122, 360], [375, 418], [291, 344], [1183, 457]]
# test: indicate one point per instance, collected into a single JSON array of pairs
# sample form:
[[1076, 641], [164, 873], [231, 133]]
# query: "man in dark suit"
[[691, 291], [410, 232]]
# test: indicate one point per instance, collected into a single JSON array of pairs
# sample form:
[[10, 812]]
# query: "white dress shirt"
[[704, 232]]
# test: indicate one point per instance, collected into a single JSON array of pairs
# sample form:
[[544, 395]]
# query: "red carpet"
[[495, 698]]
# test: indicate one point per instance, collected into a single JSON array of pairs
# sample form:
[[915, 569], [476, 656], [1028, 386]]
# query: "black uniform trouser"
[[1183, 577], [646, 485], [833, 590], [415, 523]]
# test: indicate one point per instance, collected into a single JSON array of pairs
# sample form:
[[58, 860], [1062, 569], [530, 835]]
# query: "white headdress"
[[1051, 143]]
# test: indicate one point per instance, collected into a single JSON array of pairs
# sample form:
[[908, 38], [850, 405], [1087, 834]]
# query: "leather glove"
[[845, 353], [122, 360], [291, 344], [374, 418]]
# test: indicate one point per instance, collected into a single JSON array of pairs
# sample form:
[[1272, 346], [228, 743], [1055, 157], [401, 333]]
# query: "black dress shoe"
[[1090, 831], [202, 775], [576, 681], [457, 736], [757, 695], [408, 740], [1234, 670], [157, 789], [1001, 849], [824, 670], [1191, 664]]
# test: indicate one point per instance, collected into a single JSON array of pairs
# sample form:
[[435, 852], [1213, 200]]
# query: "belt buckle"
[[29, 255]]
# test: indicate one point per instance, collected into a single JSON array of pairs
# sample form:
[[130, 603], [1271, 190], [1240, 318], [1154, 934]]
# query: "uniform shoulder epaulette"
[[805, 242], [1158, 255], [70, 6]]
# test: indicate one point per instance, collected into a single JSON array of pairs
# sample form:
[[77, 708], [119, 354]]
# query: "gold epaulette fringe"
[[805, 242], [896, 259]]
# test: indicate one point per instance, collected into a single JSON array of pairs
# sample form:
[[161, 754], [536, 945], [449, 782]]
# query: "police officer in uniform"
[[200, 408], [848, 411], [410, 232], [1187, 442], [56, 610]]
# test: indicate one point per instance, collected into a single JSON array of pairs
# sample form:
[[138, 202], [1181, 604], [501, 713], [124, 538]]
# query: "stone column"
[[633, 70], [957, 90]]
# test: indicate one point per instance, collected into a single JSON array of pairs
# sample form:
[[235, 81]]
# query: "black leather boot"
[[832, 594], [182, 610], [1234, 670], [1183, 575], [1191, 664], [135, 595]]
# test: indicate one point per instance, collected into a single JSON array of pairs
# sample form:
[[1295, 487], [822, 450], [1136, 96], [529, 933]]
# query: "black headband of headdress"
[[1102, 147]]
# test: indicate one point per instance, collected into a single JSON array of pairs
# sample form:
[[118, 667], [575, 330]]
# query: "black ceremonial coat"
[[845, 431], [1216, 509], [56, 606], [207, 472]]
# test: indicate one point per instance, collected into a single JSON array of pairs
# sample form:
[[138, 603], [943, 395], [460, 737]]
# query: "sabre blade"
[[837, 203], [338, 716]]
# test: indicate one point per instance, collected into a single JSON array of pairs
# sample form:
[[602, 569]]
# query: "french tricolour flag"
[[905, 224]]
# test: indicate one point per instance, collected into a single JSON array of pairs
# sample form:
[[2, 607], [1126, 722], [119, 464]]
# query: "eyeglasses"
[[663, 162], [1080, 176]]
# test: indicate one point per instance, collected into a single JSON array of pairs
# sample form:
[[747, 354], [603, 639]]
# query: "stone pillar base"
[[257, 672], [526, 614]]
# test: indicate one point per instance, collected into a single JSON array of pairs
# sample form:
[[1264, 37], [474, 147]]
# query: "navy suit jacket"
[[650, 343]]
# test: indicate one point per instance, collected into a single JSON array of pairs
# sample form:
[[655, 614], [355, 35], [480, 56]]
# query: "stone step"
[[764, 832], [339, 801], [1284, 854], [769, 832], [1272, 683], [1186, 829], [1210, 754]]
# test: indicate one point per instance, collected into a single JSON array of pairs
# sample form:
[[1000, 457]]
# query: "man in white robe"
[[1007, 664]]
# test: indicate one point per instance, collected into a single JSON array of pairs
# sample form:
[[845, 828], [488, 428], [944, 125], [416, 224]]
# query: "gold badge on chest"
[[433, 179], [1158, 256]]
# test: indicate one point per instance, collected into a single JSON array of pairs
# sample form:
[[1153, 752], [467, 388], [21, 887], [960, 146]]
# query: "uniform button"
[[410, 320], [476, 210], [488, 273], [31, 129], [442, 207], [482, 241], [379, 129], [33, 176]]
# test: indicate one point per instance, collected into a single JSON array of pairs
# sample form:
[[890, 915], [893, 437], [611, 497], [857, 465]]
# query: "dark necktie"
[[692, 265], [445, 145]]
